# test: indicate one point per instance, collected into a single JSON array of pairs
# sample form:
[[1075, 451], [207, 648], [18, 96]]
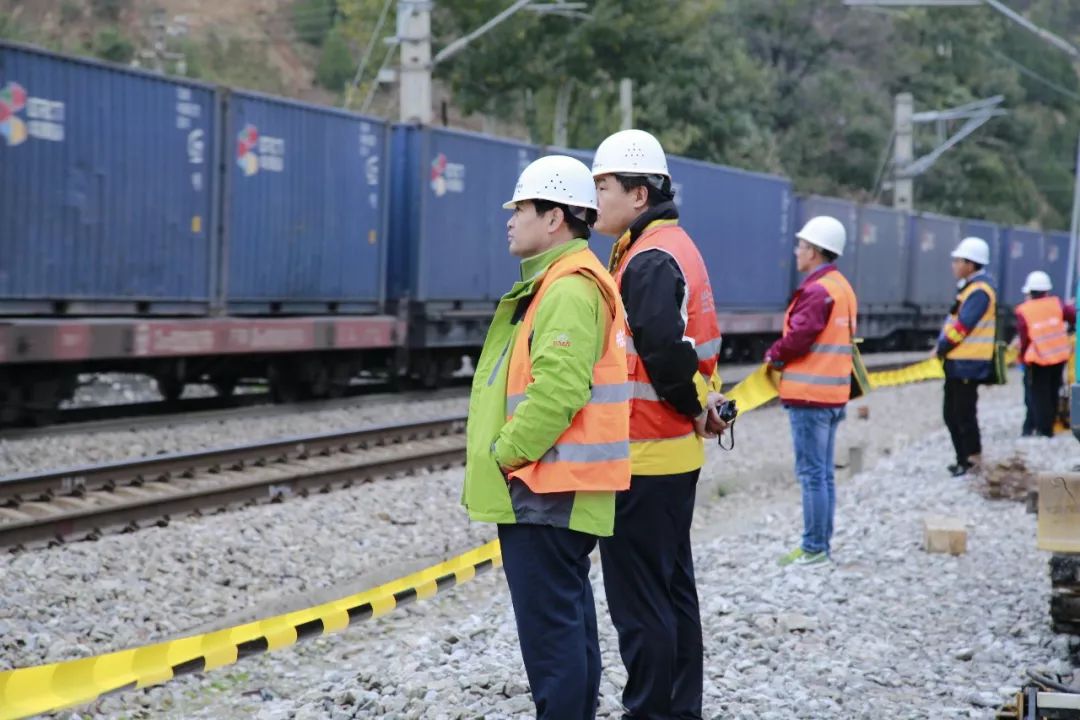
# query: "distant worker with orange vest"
[[966, 345], [673, 345], [548, 439], [1043, 323], [815, 359]]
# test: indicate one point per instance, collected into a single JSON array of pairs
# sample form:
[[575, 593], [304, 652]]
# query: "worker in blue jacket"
[[966, 345]]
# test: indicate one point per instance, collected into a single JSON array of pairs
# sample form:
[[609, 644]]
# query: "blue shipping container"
[[450, 227], [881, 259], [931, 284], [108, 188], [1023, 253], [741, 222], [1056, 260], [306, 207], [846, 212]]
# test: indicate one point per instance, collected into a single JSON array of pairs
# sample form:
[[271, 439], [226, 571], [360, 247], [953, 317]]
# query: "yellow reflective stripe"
[[953, 334]]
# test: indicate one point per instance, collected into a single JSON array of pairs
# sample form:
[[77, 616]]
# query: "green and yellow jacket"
[[568, 339]]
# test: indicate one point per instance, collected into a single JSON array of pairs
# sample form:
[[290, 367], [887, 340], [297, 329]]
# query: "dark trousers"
[[1043, 385], [649, 579], [547, 569], [1029, 418], [961, 401]]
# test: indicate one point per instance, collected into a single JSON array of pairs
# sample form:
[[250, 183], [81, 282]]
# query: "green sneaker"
[[798, 556], [821, 558], [791, 557]]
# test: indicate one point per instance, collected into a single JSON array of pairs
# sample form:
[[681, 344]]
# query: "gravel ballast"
[[888, 631]]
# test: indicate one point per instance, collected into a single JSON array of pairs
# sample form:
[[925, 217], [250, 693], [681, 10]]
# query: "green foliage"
[[357, 24], [10, 29], [70, 12], [109, 10], [234, 62], [336, 65], [111, 45], [802, 88], [313, 20]]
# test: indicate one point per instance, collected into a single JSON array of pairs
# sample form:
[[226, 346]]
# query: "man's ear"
[[641, 197], [555, 219]]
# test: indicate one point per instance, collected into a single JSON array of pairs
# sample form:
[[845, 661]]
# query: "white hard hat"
[[630, 152], [974, 249], [1037, 281], [824, 232], [557, 178]]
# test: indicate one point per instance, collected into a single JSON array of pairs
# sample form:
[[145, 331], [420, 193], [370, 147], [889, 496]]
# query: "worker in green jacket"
[[548, 431]]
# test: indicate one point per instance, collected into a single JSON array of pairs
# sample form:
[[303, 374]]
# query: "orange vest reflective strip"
[[979, 343], [1049, 338], [652, 419], [593, 453], [823, 375]]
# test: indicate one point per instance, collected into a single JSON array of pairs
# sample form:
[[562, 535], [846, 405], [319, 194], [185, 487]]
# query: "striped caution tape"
[[761, 386], [44, 688]]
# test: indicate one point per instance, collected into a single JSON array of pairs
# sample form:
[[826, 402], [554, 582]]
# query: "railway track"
[[139, 416], [86, 502]]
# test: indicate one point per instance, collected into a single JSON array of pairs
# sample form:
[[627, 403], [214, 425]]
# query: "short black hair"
[[658, 187], [580, 228], [1035, 294], [978, 266], [829, 255]]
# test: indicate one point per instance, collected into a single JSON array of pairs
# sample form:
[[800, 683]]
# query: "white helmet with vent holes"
[[630, 152], [556, 178]]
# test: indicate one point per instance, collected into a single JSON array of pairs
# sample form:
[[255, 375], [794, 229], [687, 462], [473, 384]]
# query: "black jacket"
[[654, 293]]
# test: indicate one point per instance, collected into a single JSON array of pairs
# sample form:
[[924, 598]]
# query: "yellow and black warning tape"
[[43, 688], [760, 387]]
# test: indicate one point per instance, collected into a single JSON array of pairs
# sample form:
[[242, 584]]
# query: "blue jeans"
[[813, 431]]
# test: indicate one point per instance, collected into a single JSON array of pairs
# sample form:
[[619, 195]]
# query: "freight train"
[[196, 233]]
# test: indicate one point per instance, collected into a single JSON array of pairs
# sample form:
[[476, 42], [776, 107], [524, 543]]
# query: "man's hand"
[[701, 424], [713, 423], [708, 423]]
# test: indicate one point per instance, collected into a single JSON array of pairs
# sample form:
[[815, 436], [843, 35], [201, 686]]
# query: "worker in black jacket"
[[673, 343]]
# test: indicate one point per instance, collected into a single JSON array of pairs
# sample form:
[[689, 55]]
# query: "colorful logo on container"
[[12, 101], [446, 176], [246, 144]]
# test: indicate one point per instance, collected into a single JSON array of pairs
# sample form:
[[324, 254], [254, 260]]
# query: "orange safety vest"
[[823, 375], [653, 422], [979, 342], [1049, 341], [593, 454]]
